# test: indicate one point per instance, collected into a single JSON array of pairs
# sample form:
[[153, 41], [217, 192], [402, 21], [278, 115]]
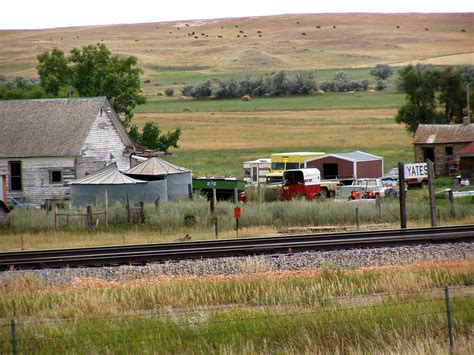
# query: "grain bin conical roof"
[[156, 166], [109, 175]]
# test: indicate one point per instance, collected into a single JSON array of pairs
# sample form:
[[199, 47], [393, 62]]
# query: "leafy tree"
[[419, 86], [54, 71], [93, 71], [150, 137], [381, 85], [21, 89], [452, 95], [279, 84], [382, 71]]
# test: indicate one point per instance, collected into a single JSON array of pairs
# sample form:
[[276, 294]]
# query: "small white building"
[[255, 171], [47, 143]]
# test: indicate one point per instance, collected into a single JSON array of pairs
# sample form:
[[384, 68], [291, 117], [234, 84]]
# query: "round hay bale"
[[372, 90], [246, 98], [160, 93], [187, 110], [147, 81], [182, 98], [321, 92]]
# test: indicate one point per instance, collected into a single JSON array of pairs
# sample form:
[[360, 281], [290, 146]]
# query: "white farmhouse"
[[47, 143]]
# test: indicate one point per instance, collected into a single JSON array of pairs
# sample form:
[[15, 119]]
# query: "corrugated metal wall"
[[178, 185], [82, 195], [369, 169]]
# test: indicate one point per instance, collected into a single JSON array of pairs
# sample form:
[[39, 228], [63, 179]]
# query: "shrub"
[[302, 84], [227, 89], [382, 71], [202, 90], [169, 92], [187, 90], [381, 85]]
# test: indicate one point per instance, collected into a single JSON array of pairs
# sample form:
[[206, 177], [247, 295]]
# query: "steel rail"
[[143, 253]]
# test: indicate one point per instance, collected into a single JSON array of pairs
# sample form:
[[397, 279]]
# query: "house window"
[[15, 175], [56, 176], [449, 152]]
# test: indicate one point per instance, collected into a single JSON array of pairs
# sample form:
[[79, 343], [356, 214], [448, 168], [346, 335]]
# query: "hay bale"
[[321, 92], [246, 98], [186, 110], [182, 98], [160, 93], [147, 81]]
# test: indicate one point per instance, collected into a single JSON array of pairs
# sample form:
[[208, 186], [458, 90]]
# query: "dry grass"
[[371, 128], [359, 40]]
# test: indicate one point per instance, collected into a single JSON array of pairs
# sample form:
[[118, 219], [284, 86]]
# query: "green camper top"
[[218, 183]]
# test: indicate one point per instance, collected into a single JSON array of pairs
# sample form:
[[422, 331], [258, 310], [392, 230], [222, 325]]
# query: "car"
[[16, 203], [389, 181]]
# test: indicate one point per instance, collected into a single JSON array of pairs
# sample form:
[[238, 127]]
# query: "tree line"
[[279, 84]]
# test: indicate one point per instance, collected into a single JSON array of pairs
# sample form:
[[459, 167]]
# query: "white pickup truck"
[[361, 188]]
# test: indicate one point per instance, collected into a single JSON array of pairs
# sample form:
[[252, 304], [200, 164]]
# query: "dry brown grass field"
[[369, 128], [285, 42]]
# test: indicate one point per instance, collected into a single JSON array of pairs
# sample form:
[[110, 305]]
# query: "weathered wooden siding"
[[467, 169], [102, 146], [36, 183]]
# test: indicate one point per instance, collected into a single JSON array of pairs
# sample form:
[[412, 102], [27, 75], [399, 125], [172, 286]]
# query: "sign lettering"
[[417, 170]]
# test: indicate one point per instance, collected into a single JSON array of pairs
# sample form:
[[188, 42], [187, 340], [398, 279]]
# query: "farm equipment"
[[362, 189]]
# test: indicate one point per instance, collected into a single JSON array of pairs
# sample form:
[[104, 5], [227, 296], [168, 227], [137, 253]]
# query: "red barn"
[[467, 162], [347, 166]]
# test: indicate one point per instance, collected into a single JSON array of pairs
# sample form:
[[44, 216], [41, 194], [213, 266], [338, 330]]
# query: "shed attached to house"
[[178, 179], [347, 166], [3, 186], [45, 144], [442, 143], [92, 189], [466, 156]]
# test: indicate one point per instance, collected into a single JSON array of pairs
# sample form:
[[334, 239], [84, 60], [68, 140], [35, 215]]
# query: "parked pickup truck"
[[361, 189]]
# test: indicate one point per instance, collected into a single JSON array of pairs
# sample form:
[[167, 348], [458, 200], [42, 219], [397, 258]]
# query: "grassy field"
[[375, 310]]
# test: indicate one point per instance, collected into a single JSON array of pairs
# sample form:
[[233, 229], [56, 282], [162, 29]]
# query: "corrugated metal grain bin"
[[178, 179], [91, 188]]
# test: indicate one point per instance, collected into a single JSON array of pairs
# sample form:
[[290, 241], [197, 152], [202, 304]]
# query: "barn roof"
[[109, 175], [156, 166], [50, 127], [352, 156], [444, 133]]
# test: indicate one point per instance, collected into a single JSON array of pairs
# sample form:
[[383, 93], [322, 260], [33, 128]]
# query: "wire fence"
[[448, 311]]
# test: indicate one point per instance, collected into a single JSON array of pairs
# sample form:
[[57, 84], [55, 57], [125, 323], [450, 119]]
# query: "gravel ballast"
[[345, 259]]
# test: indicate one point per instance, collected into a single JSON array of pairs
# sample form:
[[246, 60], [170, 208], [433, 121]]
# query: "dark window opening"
[[254, 174], [428, 153], [292, 166], [278, 166], [56, 176], [330, 171], [449, 152], [15, 175]]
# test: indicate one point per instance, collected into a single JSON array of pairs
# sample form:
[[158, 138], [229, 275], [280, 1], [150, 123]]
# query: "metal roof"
[[109, 175], [444, 133], [156, 166], [352, 156], [467, 151]]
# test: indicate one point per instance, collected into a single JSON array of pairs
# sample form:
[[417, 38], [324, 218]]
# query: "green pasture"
[[356, 100]]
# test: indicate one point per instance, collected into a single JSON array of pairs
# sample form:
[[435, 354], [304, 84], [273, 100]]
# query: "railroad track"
[[144, 253]]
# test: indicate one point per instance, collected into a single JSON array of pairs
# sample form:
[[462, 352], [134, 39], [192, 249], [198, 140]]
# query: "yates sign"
[[418, 170]]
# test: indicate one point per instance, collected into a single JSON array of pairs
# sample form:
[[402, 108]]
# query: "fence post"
[[216, 226], [357, 218], [378, 206], [55, 218], [89, 218], [13, 333], [142, 212], [434, 222], [402, 193], [106, 209], [451, 203], [190, 191], [450, 322], [129, 211], [157, 203]]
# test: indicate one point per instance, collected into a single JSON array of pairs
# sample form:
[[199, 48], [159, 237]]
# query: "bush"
[[302, 84], [381, 85], [187, 90], [169, 92], [279, 84], [202, 90], [382, 71], [227, 89]]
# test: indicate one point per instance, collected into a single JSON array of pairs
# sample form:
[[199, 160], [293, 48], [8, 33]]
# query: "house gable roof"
[[51, 127], [444, 133]]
